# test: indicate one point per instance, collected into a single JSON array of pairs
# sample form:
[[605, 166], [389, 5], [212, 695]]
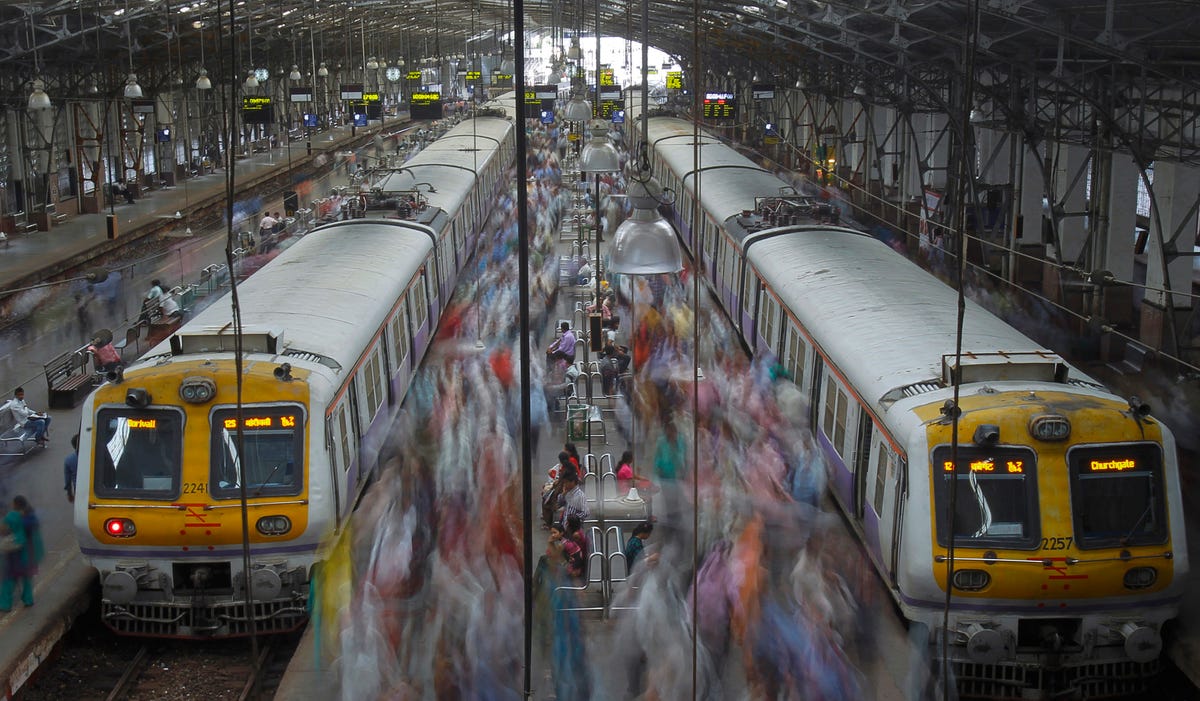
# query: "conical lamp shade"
[[645, 244]]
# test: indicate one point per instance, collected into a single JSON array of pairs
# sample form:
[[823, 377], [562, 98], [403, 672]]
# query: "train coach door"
[[860, 459]]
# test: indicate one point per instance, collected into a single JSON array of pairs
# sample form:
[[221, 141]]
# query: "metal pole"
[[523, 292]]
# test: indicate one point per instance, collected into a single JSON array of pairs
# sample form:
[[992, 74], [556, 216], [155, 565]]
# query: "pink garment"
[[624, 478]]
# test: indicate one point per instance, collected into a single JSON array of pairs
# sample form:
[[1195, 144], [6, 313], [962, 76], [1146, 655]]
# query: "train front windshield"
[[137, 453], [995, 503], [271, 453], [1117, 495]]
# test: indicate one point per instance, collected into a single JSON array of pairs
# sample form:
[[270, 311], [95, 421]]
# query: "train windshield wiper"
[[264, 483], [1136, 524]]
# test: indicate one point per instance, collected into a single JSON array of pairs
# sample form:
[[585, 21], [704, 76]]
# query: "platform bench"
[[69, 379], [14, 440]]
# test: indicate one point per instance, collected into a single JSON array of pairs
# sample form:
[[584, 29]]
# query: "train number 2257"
[[1057, 543]]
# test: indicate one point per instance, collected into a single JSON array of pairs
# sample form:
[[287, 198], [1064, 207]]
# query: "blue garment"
[[633, 548], [70, 470], [21, 565]]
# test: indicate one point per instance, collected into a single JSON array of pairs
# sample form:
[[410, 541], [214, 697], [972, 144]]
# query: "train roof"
[[729, 181], [328, 293], [449, 164], [883, 320]]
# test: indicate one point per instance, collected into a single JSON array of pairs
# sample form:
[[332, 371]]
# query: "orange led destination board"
[[287, 421], [1115, 465], [988, 465]]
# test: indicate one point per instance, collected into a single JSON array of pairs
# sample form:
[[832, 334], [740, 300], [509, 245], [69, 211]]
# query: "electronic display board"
[[719, 105], [301, 94], [610, 101], [606, 76], [352, 91], [674, 80], [257, 110], [142, 106], [474, 75], [413, 76], [425, 105], [762, 91], [370, 97], [260, 422], [539, 98], [502, 80]]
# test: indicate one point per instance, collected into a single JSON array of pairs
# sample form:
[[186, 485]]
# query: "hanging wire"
[[964, 176], [229, 118], [695, 273]]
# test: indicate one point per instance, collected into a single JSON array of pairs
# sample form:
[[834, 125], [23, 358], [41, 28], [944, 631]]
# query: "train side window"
[[796, 351], [885, 468], [345, 435], [751, 286], [834, 425], [768, 321], [839, 429], [419, 305], [374, 380], [400, 342]]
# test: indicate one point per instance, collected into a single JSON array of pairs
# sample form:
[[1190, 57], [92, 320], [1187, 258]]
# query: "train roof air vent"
[[218, 339], [1028, 366], [312, 358]]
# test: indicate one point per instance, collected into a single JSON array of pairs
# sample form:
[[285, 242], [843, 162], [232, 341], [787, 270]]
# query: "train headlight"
[[1140, 577], [1050, 427], [274, 525], [971, 580], [120, 528], [197, 390]]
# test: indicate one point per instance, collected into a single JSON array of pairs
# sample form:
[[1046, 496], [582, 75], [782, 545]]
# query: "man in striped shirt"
[[574, 501]]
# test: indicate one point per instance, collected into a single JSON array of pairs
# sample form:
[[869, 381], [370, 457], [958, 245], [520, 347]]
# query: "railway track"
[[92, 664]]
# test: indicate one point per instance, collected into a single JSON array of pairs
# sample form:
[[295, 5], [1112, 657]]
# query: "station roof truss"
[[1061, 68]]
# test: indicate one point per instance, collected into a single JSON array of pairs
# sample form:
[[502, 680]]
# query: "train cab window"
[[271, 455], [1117, 495], [138, 453], [996, 501]]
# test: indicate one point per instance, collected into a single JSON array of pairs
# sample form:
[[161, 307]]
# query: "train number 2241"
[[1057, 543], [202, 488]]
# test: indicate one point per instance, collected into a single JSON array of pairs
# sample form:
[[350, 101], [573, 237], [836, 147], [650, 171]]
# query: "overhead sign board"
[[474, 75], [257, 109], [301, 94], [502, 80], [762, 91], [719, 105], [370, 97], [352, 91], [414, 75], [674, 80], [606, 76], [425, 105]]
